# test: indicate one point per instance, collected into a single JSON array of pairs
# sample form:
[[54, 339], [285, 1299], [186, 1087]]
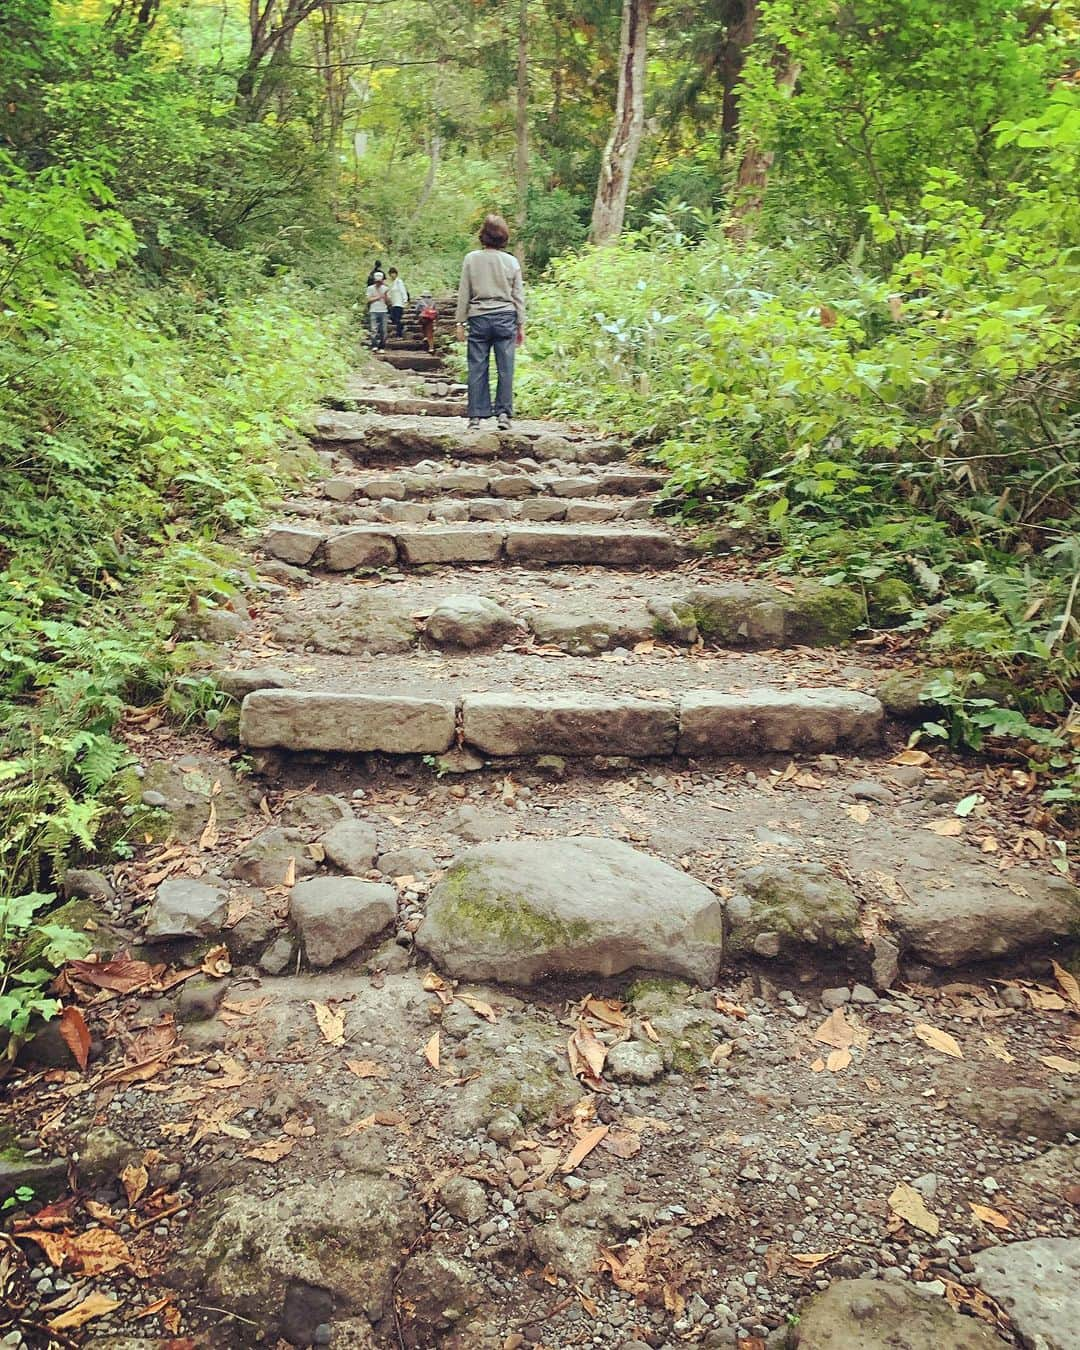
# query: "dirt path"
[[569, 955]]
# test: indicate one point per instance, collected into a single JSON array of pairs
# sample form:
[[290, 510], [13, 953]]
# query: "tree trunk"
[[521, 128], [628, 128], [752, 176], [740, 34]]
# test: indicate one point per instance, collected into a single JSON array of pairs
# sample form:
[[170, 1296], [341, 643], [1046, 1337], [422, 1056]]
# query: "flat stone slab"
[[363, 546], [293, 543], [767, 720], [310, 720], [1038, 1285], [569, 724], [874, 1315], [519, 911], [757, 614], [595, 546], [956, 911], [468, 544]]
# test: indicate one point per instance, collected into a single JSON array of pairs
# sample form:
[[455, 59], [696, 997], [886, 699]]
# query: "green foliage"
[[31, 950]]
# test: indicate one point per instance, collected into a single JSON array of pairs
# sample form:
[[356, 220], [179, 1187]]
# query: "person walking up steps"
[[377, 297], [398, 298], [426, 314], [491, 300]]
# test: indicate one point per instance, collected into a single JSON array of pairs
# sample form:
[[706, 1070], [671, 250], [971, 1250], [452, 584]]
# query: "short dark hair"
[[494, 233], [393, 271]]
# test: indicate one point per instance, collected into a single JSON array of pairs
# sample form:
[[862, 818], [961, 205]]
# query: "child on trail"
[[377, 299], [427, 313], [398, 298]]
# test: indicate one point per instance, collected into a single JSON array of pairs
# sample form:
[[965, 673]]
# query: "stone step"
[[455, 510], [699, 723], [370, 547], [404, 439], [580, 614], [591, 480], [413, 407], [410, 360]]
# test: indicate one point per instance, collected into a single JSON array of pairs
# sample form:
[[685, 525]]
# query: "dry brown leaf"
[[121, 975], [587, 1055], [650, 1031], [838, 1060], [908, 1204], [216, 962], [95, 1305], [1045, 1000], [730, 1009], [211, 834], [431, 1051], [331, 1024], [806, 1261], [75, 1035], [95, 1252], [134, 1179], [623, 1143], [271, 1152], [999, 1049], [918, 759], [940, 1040], [607, 1010], [289, 879], [817, 1066], [993, 1217], [1069, 984], [1059, 1064], [836, 1031], [583, 1148], [950, 826], [482, 1009], [366, 1068]]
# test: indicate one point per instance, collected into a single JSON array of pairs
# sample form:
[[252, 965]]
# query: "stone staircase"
[[513, 594]]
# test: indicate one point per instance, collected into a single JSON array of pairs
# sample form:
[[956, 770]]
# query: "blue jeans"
[[378, 329], [487, 331]]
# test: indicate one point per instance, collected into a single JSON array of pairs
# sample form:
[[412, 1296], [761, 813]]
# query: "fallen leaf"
[[859, 812], [721, 1052], [1060, 1064], [835, 1031], [331, 1024], [817, 1066], [482, 1009], [95, 1305], [75, 1035], [211, 834], [1070, 985], [1045, 1000], [993, 1217], [216, 962], [431, 1051], [365, 1068], [121, 975], [998, 1049], [917, 758], [907, 1204], [134, 1179], [583, 1148], [289, 879], [607, 1010], [95, 1252], [949, 826], [806, 1261], [623, 1143], [650, 1031], [937, 1039], [838, 1060], [587, 1054], [150, 1309], [730, 1009], [271, 1152], [966, 805]]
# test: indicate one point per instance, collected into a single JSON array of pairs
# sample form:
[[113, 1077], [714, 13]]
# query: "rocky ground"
[[604, 1021]]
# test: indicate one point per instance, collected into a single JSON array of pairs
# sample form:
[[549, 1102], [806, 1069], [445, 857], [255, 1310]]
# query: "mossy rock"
[[903, 693], [787, 907], [652, 995], [891, 602], [80, 916], [823, 615], [760, 614], [720, 539]]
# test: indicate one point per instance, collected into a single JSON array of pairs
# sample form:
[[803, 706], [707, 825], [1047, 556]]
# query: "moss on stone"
[[804, 906], [891, 601], [469, 906], [652, 994], [824, 614], [903, 693]]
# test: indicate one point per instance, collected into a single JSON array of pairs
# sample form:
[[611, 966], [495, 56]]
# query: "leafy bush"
[[31, 950]]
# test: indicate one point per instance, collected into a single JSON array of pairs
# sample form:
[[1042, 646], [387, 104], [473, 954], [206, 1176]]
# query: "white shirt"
[[399, 295], [377, 295]]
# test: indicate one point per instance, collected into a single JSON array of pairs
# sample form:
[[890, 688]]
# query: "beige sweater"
[[490, 281]]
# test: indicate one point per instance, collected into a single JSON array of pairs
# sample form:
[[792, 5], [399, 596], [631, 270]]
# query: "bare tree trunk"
[[521, 127], [740, 34], [752, 176], [628, 128]]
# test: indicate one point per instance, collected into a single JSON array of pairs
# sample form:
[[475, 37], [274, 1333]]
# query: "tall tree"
[[521, 125], [628, 127]]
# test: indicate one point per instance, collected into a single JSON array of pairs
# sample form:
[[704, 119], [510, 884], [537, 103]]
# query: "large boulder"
[[470, 622], [185, 908], [782, 907], [956, 910], [1038, 1285], [518, 911], [873, 1315], [336, 915], [268, 1257], [757, 614]]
